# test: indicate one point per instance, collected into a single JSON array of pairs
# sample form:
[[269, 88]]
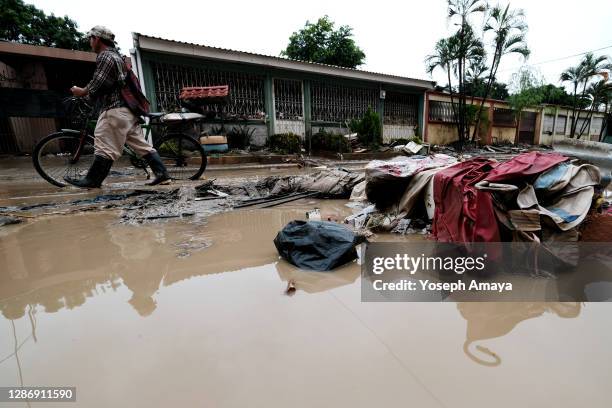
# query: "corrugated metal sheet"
[[28, 131], [424, 83], [7, 138]]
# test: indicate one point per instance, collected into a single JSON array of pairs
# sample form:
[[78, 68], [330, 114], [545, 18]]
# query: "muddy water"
[[194, 314]]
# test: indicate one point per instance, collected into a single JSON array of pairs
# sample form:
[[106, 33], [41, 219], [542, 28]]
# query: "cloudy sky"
[[396, 36]]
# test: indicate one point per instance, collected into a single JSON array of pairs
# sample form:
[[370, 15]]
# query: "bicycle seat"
[[181, 117]]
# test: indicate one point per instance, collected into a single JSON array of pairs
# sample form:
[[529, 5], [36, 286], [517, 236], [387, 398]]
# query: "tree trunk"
[[460, 97], [604, 124], [574, 110], [586, 122], [492, 74], [450, 89], [575, 124]]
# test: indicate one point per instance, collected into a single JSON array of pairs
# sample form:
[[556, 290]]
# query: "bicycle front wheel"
[[63, 154], [183, 156]]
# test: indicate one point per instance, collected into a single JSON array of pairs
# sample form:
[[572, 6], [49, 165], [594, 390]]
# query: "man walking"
[[117, 125]]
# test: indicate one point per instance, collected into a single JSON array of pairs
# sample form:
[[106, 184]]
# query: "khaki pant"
[[115, 128]]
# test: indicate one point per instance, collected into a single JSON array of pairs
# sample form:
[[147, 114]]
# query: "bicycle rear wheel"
[[183, 156], [55, 157]]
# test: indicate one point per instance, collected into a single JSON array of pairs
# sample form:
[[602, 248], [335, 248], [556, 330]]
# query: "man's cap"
[[101, 32]]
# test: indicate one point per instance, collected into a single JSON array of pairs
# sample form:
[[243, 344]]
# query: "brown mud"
[[193, 312]]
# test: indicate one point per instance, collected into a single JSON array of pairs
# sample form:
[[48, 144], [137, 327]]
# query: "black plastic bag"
[[317, 245]]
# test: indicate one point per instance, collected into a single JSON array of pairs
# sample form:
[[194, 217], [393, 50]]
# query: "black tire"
[[52, 157], [183, 156]]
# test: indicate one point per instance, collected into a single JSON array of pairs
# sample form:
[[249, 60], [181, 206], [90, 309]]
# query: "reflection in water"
[[60, 262], [313, 282], [490, 320], [135, 247]]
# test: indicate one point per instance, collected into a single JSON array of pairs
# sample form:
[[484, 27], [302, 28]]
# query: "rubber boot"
[[159, 169], [95, 175]]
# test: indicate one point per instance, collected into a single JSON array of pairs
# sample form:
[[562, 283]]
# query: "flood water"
[[194, 313]]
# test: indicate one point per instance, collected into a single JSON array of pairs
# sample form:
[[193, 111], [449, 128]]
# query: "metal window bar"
[[582, 124], [560, 124], [596, 124], [337, 103], [400, 109], [288, 101], [548, 123], [440, 111], [503, 117], [246, 90]]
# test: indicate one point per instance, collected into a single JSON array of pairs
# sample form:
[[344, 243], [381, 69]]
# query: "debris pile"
[[387, 181], [541, 197], [536, 196], [327, 183]]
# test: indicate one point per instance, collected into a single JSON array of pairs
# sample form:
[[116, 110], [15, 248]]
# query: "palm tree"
[[599, 94], [460, 11], [509, 29], [444, 56], [589, 67], [574, 76]]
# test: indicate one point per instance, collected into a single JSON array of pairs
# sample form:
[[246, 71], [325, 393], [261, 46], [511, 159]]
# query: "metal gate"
[[527, 127], [289, 107]]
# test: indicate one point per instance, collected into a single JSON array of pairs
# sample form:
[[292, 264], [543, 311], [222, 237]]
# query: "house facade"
[[278, 95], [500, 124]]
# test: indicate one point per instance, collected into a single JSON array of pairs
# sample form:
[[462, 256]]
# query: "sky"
[[396, 36]]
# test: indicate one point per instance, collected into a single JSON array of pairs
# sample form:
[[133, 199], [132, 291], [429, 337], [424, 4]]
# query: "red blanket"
[[464, 213]]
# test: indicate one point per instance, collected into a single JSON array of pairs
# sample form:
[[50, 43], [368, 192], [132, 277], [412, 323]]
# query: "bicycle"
[[70, 152]]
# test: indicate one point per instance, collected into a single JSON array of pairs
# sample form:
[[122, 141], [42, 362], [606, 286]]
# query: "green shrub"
[[368, 128], [329, 141], [285, 143], [240, 137], [217, 131]]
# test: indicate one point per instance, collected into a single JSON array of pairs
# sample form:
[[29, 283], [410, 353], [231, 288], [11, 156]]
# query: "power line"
[[557, 59]]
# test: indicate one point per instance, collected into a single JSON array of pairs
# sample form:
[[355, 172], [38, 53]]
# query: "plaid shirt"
[[104, 88]]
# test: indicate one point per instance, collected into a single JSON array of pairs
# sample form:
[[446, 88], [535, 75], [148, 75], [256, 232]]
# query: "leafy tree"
[[24, 23], [320, 42], [477, 87], [527, 93], [556, 95]]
